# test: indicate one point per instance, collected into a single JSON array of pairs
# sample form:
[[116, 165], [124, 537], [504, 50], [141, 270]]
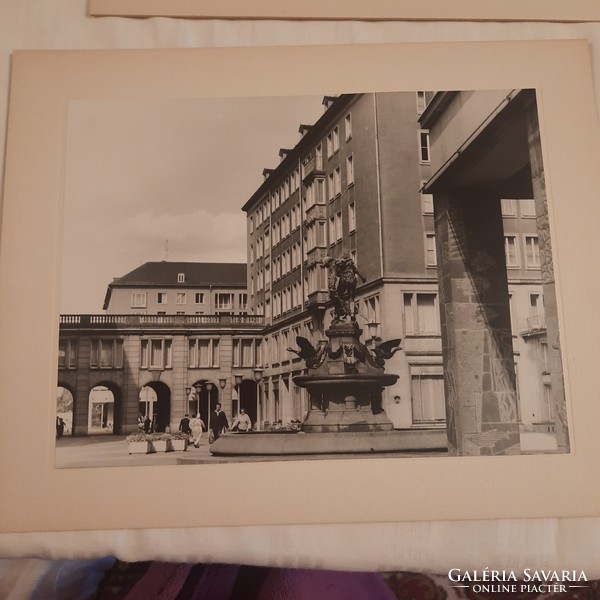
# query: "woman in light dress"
[[197, 426]]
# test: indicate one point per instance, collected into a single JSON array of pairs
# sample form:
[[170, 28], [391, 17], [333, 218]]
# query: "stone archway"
[[105, 409], [202, 400], [248, 399], [160, 407], [65, 407]]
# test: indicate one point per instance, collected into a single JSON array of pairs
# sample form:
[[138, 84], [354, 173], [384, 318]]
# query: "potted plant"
[[138, 443], [159, 441], [178, 441]]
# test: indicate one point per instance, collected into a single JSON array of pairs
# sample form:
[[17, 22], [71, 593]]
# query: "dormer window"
[[180, 277]]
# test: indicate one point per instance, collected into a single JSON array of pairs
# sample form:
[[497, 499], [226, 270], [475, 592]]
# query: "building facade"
[[182, 288], [352, 185], [176, 338]]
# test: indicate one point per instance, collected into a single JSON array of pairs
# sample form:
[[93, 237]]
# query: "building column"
[[548, 281], [481, 398]]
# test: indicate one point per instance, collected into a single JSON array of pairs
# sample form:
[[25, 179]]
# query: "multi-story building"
[[181, 288], [176, 338], [352, 186]]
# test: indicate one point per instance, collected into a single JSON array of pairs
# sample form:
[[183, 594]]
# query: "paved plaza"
[[111, 451]]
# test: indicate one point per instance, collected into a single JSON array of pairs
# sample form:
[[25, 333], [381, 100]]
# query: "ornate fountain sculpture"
[[345, 379]]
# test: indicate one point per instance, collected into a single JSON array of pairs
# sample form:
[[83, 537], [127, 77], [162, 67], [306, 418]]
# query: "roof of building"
[[166, 274]]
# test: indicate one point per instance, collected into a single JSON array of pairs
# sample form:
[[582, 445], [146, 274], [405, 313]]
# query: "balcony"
[[317, 300], [534, 325], [315, 256], [78, 322], [315, 212], [312, 167]]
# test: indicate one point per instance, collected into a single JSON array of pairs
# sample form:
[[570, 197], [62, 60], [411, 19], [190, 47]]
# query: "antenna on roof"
[[166, 249]]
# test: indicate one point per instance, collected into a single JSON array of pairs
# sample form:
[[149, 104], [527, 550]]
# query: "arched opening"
[[104, 409], [155, 405], [248, 399], [202, 400], [64, 410]]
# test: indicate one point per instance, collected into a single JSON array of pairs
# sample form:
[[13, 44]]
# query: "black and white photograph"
[[307, 277]]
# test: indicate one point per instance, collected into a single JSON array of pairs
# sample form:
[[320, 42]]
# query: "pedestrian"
[[60, 427], [184, 424], [218, 423], [147, 424], [197, 426], [140, 422], [242, 422]]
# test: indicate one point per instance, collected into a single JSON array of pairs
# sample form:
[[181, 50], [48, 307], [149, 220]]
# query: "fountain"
[[345, 380]]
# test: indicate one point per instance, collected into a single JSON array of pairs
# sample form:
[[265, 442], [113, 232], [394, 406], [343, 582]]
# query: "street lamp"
[[238, 378], [222, 383], [372, 328], [258, 373]]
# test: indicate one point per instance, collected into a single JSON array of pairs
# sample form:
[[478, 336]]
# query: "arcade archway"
[[104, 409], [65, 403], [203, 398], [155, 404]]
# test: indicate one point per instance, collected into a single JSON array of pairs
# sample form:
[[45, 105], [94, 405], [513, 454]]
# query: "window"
[[331, 186], [67, 354], [421, 314], [427, 391], [511, 251], [351, 217], [180, 277], [426, 202], [544, 357], [181, 298], [180, 312], [421, 102], [532, 252], [527, 208], [138, 300], [204, 353], [246, 352], [509, 207], [199, 298], [243, 299], [537, 319], [430, 255], [354, 257], [106, 354], [348, 127], [350, 170], [337, 181], [156, 353], [251, 254], [424, 155], [335, 228], [224, 301], [161, 297], [252, 224], [372, 309], [333, 142]]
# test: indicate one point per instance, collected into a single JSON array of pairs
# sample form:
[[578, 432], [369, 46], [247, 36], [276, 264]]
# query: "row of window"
[[513, 252], [292, 183], [223, 301], [107, 353]]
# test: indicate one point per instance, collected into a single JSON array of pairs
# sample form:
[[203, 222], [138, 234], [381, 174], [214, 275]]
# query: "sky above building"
[[164, 180]]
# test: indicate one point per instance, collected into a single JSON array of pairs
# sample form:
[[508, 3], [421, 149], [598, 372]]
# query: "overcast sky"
[[141, 173]]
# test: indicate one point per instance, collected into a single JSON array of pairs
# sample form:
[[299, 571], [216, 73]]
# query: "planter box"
[[178, 445], [139, 447], [159, 446]]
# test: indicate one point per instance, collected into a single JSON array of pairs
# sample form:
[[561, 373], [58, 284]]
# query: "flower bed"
[[146, 443]]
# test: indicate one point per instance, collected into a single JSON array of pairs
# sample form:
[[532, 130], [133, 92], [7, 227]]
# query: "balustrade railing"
[[213, 321]]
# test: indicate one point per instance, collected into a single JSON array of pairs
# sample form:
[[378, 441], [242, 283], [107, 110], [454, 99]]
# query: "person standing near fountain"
[[218, 423]]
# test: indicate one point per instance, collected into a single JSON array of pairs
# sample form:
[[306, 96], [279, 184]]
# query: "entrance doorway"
[[203, 400], [155, 405], [248, 399]]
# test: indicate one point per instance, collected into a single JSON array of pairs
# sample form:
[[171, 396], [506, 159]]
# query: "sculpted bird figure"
[[307, 350], [386, 350]]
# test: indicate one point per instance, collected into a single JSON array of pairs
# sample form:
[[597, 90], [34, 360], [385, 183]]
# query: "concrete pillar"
[[548, 281], [481, 398]]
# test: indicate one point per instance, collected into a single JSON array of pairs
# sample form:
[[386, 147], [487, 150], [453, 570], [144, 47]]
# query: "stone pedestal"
[[345, 389]]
